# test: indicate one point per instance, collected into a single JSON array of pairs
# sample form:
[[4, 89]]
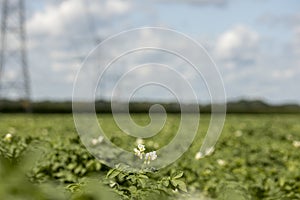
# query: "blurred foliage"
[[15, 183], [257, 157], [241, 106]]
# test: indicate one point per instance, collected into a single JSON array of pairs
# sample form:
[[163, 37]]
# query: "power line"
[[13, 54]]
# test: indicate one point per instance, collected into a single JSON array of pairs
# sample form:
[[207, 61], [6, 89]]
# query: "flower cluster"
[[148, 157], [96, 141], [140, 151]]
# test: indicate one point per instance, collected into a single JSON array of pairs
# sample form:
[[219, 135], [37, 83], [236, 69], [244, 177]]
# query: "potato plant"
[[257, 157]]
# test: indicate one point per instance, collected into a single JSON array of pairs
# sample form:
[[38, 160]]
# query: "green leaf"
[[142, 182], [71, 166], [179, 184], [89, 164], [132, 189], [78, 169], [121, 176], [98, 166], [177, 175], [132, 178], [143, 176], [166, 183], [182, 186], [113, 173], [174, 183]]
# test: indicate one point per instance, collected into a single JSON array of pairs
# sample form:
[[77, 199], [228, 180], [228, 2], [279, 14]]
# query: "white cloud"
[[10, 75], [282, 74], [199, 2], [237, 46], [61, 34], [251, 68], [71, 66], [159, 39], [116, 7], [58, 18]]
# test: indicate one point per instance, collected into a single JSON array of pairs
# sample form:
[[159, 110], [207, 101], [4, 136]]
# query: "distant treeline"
[[242, 106]]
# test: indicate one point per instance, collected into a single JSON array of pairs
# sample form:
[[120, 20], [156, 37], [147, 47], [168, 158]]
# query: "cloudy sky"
[[255, 44]]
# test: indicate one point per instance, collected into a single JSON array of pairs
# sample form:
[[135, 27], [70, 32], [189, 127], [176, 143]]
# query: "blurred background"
[[255, 44], [256, 47]]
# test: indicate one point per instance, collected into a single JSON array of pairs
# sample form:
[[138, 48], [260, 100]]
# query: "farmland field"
[[256, 157]]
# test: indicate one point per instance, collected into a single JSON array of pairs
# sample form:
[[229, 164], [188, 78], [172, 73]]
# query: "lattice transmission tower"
[[14, 74]]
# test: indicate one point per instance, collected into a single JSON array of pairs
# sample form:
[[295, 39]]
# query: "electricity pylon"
[[14, 74]]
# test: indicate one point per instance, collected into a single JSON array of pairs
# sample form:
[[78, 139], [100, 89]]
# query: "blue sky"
[[255, 44]]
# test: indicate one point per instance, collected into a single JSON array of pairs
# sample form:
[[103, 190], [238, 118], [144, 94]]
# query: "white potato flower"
[[98, 140], [209, 151], [199, 155], [238, 133], [138, 153], [153, 155], [221, 162], [141, 147], [147, 159], [296, 144], [8, 137], [150, 157], [94, 141]]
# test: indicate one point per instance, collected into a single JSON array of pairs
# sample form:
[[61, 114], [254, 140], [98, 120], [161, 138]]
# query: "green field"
[[257, 157]]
